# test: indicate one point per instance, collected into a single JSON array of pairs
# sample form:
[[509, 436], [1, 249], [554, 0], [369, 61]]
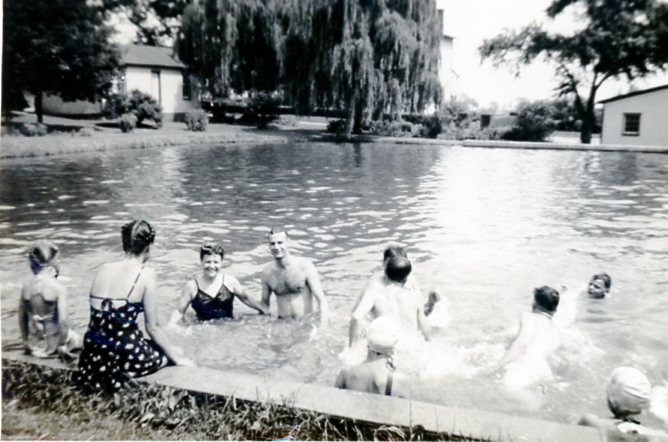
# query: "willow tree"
[[371, 59], [619, 38], [232, 45]]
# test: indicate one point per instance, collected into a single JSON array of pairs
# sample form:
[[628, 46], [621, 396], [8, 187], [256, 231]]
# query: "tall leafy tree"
[[626, 38], [56, 47]]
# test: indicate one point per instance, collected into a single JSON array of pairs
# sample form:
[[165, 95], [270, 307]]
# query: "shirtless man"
[[391, 294], [294, 280]]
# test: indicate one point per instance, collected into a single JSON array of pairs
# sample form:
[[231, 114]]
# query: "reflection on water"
[[483, 227]]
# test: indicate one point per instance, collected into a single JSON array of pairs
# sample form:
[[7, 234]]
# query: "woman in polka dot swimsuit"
[[115, 349]]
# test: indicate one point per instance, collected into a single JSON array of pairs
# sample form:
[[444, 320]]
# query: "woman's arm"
[[153, 327], [62, 315], [187, 294], [240, 293]]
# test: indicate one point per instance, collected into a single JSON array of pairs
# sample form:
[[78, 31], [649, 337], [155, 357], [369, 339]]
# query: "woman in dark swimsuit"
[[211, 295], [114, 347]]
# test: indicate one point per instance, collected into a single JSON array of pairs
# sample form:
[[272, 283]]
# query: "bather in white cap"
[[383, 335], [629, 391]]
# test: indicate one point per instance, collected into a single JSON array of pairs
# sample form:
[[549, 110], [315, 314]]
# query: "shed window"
[[631, 124]]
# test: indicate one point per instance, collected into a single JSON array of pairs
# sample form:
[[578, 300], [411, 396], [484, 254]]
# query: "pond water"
[[483, 226]]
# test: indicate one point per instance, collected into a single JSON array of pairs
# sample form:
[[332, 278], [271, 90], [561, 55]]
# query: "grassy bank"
[[39, 402], [57, 144]]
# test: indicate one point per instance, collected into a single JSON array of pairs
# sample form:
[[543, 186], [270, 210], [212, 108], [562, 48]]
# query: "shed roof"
[[634, 93], [153, 56]]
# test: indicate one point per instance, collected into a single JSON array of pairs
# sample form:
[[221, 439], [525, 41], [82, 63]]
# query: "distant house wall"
[[165, 85], [446, 73], [54, 105], [653, 110]]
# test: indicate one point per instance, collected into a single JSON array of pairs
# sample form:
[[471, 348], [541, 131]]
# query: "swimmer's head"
[[392, 250], [43, 254], [629, 392], [545, 299], [599, 285], [278, 243], [398, 268], [137, 235], [211, 249], [383, 335]]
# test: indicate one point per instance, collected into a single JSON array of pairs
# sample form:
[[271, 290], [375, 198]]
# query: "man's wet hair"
[[398, 268], [393, 250], [276, 231], [546, 298], [605, 278]]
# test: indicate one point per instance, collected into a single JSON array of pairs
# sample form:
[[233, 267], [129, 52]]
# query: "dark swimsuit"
[[213, 307], [115, 348]]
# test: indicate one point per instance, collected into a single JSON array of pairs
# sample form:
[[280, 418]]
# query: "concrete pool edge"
[[355, 406]]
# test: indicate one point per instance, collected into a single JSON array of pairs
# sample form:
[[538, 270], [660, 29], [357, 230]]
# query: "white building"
[[154, 71], [638, 118], [150, 69]]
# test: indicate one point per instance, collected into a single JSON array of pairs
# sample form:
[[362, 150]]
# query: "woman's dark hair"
[[394, 250], [547, 298], [605, 278], [41, 255], [211, 249], [398, 268], [137, 236]]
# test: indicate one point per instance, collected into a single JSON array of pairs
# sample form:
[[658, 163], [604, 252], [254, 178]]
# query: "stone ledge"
[[359, 406], [561, 146]]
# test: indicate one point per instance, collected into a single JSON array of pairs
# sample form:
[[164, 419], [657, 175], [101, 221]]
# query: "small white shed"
[[638, 118]]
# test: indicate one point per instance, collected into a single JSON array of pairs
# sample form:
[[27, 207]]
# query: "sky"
[[472, 21]]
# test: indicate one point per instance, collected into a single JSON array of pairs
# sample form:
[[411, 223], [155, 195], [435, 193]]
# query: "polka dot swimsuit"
[[115, 348]]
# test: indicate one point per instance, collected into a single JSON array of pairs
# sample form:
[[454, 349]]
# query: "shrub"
[[396, 128], [336, 126], [142, 105], [262, 108], [128, 122], [33, 129], [197, 120], [534, 122]]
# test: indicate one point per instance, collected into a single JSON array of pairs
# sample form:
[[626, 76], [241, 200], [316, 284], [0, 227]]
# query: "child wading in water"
[[43, 307]]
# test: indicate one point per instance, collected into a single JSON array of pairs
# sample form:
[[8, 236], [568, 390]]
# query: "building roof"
[[151, 56], [634, 93]]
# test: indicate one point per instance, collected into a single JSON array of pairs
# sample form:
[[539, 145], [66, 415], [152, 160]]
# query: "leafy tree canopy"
[[620, 38], [57, 47], [371, 58]]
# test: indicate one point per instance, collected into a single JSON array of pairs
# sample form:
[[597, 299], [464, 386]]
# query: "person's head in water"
[[137, 235], [43, 254], [278, 243], [211, 258], [628, 392], [599, 285], [382, 336], [392, 250], [398, 268], [545, 300]]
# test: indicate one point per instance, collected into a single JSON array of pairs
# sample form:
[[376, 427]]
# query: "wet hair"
[[398, 268], [546, 298], [137, 235], [393, 250], [211, 249], [605, 278], [276, 231], [42, 254]]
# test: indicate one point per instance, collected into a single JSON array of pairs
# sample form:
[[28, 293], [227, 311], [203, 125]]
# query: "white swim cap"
[[383, 335], [629, 391]]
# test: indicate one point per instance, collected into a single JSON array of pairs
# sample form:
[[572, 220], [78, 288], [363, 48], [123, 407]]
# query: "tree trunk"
[[350, 120], [357, 127], [39, 111], [588, 121]]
